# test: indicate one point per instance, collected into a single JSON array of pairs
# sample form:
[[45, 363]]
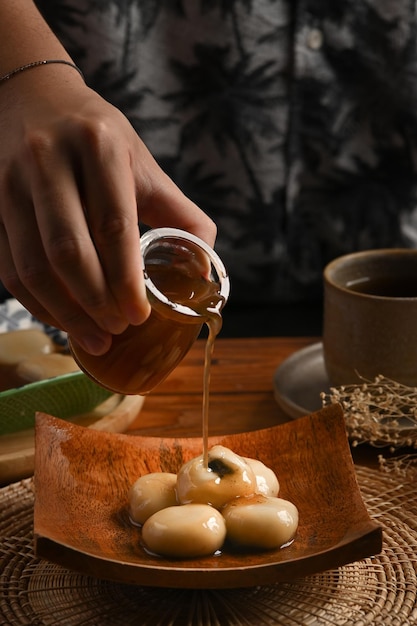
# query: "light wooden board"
[[17, 450]]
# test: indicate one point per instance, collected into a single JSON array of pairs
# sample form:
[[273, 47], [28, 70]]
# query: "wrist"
[[38, 64]]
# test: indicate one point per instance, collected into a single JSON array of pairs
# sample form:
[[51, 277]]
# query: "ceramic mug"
[[370, 316]]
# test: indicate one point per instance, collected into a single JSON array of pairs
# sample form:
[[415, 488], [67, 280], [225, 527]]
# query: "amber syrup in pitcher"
[[187, 286]]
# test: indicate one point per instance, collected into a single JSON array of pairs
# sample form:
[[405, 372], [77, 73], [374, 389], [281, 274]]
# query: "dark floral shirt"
[[292, 123]]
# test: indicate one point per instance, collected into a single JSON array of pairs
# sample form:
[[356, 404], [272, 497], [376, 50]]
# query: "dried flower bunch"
[[404, 467], [382, 412]]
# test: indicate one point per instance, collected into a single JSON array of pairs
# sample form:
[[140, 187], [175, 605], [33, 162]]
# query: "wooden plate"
[[62, 396], [17, 450], [82, 478]]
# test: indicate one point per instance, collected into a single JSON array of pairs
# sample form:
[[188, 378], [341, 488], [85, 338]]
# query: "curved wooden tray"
[[83, 477]]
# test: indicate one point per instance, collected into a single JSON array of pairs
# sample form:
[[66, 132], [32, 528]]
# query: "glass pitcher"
[[187, 285]]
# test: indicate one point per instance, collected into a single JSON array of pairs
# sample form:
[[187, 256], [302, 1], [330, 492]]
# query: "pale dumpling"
[[266, 481], [260, 522], [187, 531], [150, 493], [227, 476]]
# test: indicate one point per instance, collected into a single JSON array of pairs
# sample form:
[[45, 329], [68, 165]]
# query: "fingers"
[[29, 276], [109, 193], [166, 205], [69, 316], [11, 280], [66, 236]]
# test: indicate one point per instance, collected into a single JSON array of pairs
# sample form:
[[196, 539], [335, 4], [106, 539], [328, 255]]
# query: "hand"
[[74, 180]]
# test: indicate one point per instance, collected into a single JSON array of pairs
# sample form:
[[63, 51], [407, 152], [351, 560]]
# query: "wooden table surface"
[[241, 392], [241, 389]]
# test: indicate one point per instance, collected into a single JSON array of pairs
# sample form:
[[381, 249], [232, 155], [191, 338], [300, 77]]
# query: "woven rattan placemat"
[[378, 590]]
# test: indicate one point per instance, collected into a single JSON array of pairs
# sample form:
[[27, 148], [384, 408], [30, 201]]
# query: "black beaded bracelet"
[[28, 66]]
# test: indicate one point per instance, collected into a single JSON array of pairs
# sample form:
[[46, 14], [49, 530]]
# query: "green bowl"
[[63, 396]]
